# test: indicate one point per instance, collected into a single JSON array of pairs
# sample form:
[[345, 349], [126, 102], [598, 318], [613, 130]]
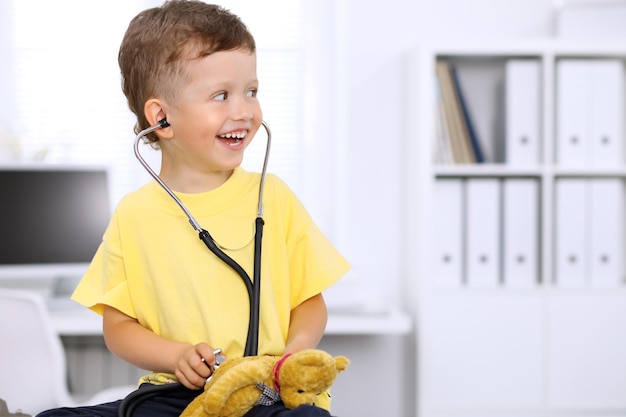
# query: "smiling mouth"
[[233, 138]]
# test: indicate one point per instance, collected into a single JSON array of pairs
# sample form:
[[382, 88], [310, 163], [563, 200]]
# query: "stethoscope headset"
[[253, 286]]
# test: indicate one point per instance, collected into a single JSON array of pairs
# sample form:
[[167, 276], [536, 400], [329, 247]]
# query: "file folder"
[[607, 232], [483, 232], [590, 108], [521, 229], [449, 210], [571, 217], [523, 110], [572, 111], [606, 107]]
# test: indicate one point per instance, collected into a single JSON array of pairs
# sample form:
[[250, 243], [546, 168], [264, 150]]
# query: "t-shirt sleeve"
[[318, 264], [314, 262], [105, 282]]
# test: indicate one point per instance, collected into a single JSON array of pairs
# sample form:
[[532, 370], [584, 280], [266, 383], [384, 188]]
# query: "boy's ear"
[[154, 112]]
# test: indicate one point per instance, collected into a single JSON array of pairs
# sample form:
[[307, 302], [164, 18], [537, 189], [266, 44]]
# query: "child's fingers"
[[207, 355]]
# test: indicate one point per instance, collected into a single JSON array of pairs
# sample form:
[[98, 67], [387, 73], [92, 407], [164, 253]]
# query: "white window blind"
[[66, 106]]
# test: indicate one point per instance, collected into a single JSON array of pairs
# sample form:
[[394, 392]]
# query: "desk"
[[76, 322], [83, 322]]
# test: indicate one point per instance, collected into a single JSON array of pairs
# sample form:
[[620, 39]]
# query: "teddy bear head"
[[300, 377]]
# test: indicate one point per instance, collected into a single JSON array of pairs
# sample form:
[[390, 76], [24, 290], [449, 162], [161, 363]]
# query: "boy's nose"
[[242, 109]]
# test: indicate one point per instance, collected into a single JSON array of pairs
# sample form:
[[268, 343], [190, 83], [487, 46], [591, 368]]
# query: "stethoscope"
[[252, 286]]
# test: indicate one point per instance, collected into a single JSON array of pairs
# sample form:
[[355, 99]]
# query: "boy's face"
[[216, 114]]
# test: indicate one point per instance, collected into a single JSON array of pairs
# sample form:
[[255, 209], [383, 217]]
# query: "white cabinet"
[[521, 295]]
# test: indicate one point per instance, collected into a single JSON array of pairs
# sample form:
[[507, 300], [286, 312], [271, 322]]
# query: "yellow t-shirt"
[[152, 265]]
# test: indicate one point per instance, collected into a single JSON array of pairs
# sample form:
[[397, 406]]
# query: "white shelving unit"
[[544, 349]]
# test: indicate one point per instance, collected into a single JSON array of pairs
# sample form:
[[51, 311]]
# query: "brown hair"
[[160, 40]]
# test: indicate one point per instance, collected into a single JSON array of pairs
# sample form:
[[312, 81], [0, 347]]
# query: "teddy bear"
[[240, 383]]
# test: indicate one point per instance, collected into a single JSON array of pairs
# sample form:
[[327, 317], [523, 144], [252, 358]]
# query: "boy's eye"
[[252, 93], [221, 96]]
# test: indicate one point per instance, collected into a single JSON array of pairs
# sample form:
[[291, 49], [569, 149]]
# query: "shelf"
[[504, 170], [528, 47], [486, 170], [595, 172]]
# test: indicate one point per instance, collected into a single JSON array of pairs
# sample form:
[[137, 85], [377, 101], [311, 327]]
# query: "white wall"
[[6, 87]]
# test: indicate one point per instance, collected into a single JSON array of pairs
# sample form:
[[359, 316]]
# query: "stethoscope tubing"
[[252, 287]]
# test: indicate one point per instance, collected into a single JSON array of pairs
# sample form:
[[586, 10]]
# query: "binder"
[[449, 233], [606, 232], [483, 232], [606, 107], [523, 109], [571, 217], [520, 222], [590, 105], [572, 98]]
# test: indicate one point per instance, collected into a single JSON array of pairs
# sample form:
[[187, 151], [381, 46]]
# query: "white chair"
[[33, 372]]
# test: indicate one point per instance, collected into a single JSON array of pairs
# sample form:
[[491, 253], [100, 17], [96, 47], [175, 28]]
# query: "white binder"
[[483, 232], [571, 217], [606, 107], [449, 212], [573, 79], [590, 107], [520, 232], [606, 197], [523, 109]]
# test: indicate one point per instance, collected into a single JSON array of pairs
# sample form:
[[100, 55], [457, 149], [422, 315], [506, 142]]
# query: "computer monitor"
[[52, 219]]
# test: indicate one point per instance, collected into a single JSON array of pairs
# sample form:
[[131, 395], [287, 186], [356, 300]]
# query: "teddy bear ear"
[[341, 363], [311, 357]]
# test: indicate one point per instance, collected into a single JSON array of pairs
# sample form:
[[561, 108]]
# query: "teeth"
[[234, 135]]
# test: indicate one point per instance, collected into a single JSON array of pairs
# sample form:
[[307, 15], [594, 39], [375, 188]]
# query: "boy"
[[167, 301]]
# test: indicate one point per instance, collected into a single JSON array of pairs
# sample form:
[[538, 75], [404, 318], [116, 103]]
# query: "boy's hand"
[[129, 340], [195, 365]]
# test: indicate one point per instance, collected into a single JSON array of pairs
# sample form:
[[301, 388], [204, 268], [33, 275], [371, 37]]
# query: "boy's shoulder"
[[278, 183], [138, 198], [274, 184], [140, 193]]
